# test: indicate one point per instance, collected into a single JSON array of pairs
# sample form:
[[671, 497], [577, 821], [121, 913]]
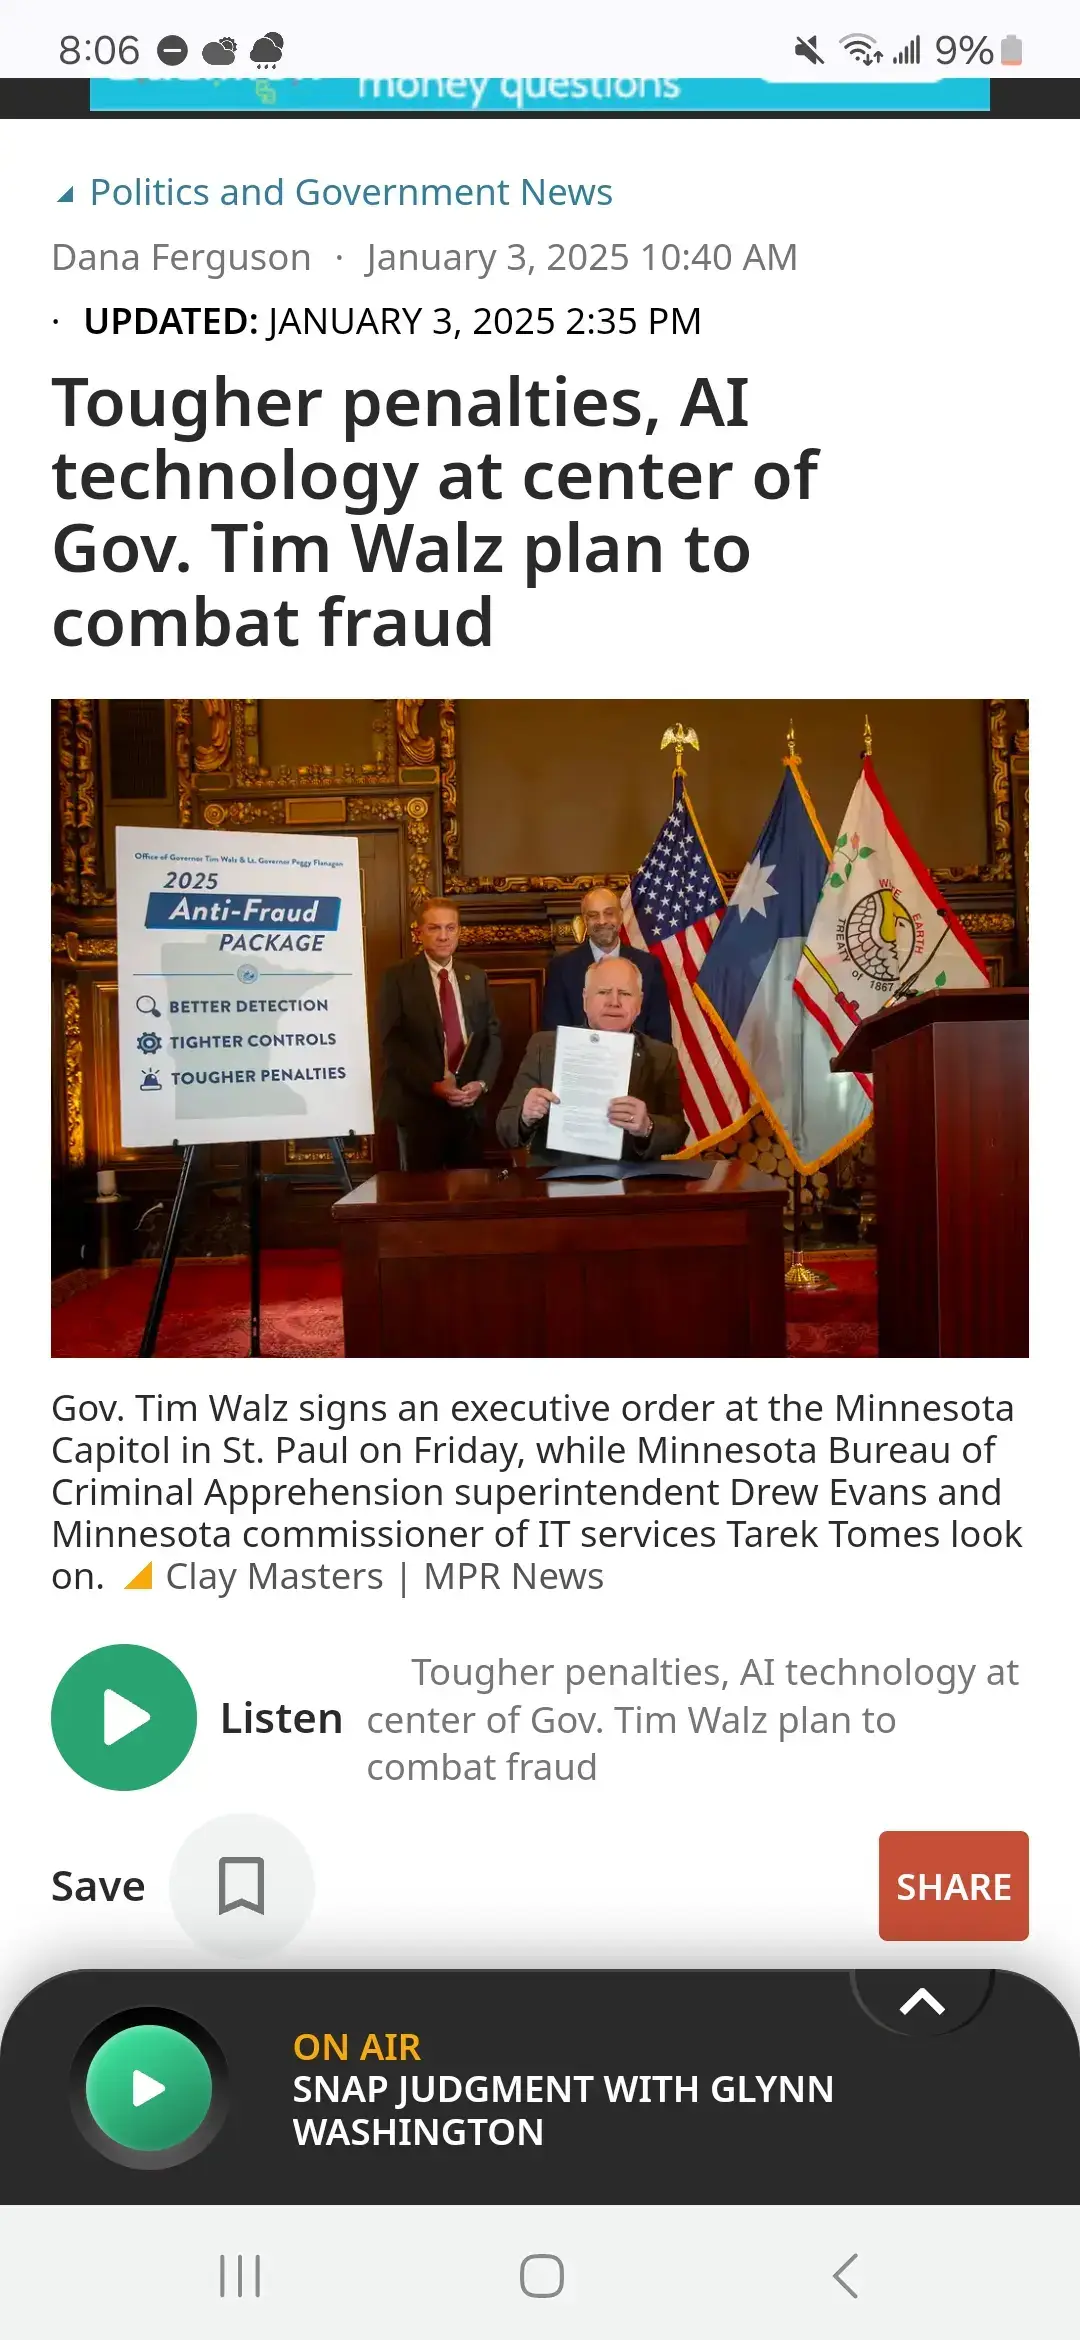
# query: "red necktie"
[[451, 1021]]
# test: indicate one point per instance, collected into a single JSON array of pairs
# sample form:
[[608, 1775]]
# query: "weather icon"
[[222, 52], [268, 50]]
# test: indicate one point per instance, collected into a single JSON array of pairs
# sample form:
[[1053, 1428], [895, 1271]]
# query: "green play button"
[[149, 2088], [123, 1717]]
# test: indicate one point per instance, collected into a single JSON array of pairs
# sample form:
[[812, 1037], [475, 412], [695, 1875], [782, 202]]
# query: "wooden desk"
[[489, 1263]]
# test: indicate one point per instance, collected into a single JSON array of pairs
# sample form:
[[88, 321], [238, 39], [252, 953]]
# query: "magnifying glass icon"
[[147, 1006]]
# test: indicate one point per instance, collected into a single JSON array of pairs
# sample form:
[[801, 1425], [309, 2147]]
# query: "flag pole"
[[799, 1277], [679, 739]]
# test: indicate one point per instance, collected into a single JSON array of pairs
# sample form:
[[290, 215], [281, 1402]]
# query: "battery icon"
[[1012, 50]]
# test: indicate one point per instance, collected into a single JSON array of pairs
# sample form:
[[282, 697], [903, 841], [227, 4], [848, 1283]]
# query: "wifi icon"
[[863, 47]]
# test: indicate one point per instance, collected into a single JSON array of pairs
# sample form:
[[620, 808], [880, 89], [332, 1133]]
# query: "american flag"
[[673, 908]]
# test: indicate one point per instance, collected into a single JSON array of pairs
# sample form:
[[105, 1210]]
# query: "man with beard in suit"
[[650, 1116], [441, 1048], [601, 911]]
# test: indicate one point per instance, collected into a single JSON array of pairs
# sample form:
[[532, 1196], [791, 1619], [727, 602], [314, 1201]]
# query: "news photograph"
[[539, 1028]]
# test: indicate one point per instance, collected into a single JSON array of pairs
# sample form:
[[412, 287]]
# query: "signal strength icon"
[[911, 53]]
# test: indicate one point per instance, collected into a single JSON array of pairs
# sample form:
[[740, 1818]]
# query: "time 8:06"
[[104, 49]]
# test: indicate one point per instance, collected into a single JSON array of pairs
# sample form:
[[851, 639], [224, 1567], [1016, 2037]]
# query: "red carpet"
[[206, 1314], [842, 1323]]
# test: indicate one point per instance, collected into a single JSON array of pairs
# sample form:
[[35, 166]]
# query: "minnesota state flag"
[[746, 979]]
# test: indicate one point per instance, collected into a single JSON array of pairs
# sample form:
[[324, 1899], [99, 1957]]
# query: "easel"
[[253, 1181]]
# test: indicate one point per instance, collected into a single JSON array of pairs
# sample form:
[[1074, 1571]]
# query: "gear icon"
[[148, 1043]]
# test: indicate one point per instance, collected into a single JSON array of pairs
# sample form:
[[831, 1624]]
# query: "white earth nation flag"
[[881, 928]]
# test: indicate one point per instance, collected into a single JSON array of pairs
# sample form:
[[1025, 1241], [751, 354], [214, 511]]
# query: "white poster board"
[[243, 1008]]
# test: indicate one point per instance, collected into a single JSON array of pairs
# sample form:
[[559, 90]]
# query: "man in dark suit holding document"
[[649, 1115]]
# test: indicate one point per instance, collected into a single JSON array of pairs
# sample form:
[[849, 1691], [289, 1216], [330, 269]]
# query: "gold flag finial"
[[679, 739], [791, 755], [868, 745]]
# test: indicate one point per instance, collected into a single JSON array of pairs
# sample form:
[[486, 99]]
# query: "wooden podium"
[[950, 1074], [504, 1263]]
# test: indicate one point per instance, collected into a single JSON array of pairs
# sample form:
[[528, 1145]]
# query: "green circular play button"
[[124, 1717], [149, 2088]]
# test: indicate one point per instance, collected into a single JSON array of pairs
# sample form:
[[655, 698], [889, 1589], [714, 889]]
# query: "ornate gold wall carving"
[[413, 746], [998, 870], [244, 793], [77, 804], [81, 949], [68, 884], [309, 776], [243, 816], [521, 937], [231, 756], [414, 813], [215, 753], [1002, 859], [540, 885], [74, 1126], [1019, 765], [181, 731], [313, 812], [451, 833], [86, 804], [305, 1156]]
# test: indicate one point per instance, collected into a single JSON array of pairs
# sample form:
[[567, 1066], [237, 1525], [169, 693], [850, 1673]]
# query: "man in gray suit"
[[650, 1116], [441, 1048]]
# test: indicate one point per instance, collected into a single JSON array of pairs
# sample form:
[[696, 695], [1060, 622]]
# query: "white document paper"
[[590, 1069]]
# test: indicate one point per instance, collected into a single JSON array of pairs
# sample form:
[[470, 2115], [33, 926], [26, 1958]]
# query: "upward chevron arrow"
[[922, 1997]]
